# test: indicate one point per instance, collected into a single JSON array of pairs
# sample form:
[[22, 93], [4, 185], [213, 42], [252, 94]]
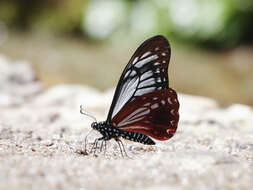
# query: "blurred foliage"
[[219, 23], [53, 15]]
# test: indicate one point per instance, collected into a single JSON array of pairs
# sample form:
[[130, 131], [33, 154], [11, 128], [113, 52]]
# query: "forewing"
[[147, 71], [154, 114]]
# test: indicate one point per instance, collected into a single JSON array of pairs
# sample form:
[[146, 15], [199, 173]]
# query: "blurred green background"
[[90, 41]]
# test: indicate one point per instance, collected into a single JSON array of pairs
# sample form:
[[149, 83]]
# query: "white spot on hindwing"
[[155, 106], [147, 104], [172, 122], [172, 112], [169, 132]]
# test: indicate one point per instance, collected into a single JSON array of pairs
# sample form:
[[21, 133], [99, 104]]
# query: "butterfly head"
[[98, 125], [95, 125]]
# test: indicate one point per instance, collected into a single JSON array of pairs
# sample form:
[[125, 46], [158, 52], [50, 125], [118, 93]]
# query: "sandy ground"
[[42, 144], [205, 156]]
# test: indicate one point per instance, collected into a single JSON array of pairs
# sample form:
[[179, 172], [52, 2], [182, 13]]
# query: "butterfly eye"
[[93, 124]]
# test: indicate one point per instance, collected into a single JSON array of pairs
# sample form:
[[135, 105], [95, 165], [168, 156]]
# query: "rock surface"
[[42, 142], [17, 82]]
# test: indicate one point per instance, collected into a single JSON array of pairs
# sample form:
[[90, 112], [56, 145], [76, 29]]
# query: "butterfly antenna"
[[84, 112]]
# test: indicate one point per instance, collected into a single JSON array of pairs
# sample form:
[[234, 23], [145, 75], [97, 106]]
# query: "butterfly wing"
[[147, 71], [154, 114]]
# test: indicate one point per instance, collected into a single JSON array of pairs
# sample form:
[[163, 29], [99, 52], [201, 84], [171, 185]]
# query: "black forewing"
[[147, 71]]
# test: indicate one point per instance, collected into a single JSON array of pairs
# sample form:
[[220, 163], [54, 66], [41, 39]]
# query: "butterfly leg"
[[120, 148], [95, 145], [123, 148], [101, 146], [85, 141], [105, 148]]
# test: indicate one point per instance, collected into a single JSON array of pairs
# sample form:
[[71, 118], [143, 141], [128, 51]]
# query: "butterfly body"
[[109, 132]]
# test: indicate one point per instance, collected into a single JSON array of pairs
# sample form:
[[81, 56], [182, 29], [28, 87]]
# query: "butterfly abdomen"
[[137, 137], [110, 132]]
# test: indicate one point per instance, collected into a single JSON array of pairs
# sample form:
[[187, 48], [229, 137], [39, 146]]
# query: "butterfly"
[[143, 106]]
